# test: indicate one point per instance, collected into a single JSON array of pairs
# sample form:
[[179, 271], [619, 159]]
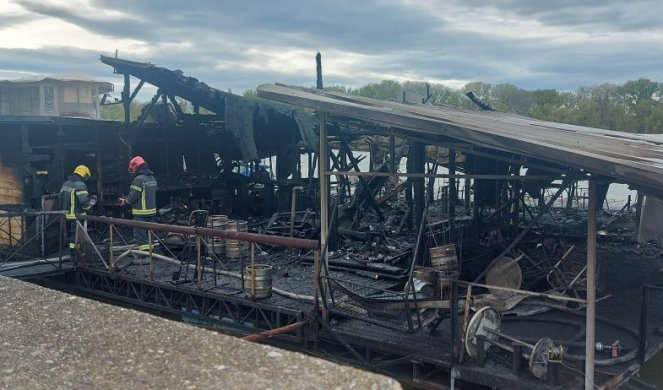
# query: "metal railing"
[[194, 237], [32, 246], [644, 314]]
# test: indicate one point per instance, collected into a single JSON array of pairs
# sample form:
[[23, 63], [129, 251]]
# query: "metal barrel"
[[236, 249], [445, 263], [444, 281], [258, 280], [425, 273], [443, 258], [216, 244]]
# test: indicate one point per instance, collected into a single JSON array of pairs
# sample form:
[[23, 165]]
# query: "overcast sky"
[[240, 44]]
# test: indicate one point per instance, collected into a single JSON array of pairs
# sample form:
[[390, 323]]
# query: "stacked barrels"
[[216, 244], [236, 249], [445, 263]]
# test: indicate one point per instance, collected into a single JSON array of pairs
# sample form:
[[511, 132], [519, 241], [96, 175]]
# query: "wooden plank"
[[11, 192]]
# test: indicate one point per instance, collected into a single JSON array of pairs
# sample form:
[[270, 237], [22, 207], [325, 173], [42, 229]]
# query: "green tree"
[[508, 97], [115, 111], [385, 90], [483, 91]]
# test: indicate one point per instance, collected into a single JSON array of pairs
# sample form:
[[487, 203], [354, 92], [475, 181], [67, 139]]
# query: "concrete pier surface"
[[53, 340]]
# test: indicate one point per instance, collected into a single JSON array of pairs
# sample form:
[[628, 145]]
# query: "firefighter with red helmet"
[[142, 198]]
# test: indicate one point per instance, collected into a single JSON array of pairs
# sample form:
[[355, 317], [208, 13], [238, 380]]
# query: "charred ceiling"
[[633, 159], [249, 128]]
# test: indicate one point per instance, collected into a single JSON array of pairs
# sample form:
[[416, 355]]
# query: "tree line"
[[635, 106]]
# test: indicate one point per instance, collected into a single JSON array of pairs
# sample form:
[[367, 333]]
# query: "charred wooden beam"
[[126, 99], [318, 71]]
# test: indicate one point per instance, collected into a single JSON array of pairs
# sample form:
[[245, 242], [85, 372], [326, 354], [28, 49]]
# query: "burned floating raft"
[[398, 237]]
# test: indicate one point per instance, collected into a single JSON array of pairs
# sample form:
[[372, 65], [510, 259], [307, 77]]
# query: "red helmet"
[[135, 163]]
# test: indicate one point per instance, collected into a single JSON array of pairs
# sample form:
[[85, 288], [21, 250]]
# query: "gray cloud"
[[607, 15], [380, 37]]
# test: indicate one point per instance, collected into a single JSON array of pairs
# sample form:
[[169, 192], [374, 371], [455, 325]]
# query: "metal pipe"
[[512, 339], [590, 319], [274, 332], [191, 230]]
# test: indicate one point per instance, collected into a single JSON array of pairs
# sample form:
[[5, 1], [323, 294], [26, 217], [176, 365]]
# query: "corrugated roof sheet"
[[635, 159]]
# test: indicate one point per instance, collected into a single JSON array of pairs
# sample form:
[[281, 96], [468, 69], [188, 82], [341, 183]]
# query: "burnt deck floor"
[[381, 343]]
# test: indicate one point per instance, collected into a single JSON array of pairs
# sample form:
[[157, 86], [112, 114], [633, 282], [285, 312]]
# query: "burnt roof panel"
[[635, 159]]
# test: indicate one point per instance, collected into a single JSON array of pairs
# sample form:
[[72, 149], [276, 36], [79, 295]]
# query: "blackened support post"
[[126, 99], [318, 71], [417, 153], [455, 350], [453, 194], [590, 319], [323, 167], [642, 334]]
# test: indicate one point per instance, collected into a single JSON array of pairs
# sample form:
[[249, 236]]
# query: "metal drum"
[[258, 280], [425, 273], [236, 249], [445, 263], [218, 222], [444, 281], [443, 258]]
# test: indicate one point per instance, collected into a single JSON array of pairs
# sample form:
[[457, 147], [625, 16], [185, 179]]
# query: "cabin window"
[[49, 100], [24, 101]]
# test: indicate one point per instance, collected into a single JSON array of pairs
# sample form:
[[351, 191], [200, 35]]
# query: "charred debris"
[[397, 236]]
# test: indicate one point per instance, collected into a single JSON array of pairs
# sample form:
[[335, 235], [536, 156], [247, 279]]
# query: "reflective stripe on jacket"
[[143, 194], [74, 197]]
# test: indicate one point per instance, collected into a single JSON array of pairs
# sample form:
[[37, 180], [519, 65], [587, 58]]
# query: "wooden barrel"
[[443, 258], [236, 249], [425, 273], [258, 280], [218, 222], [444, 281], [445, 263]]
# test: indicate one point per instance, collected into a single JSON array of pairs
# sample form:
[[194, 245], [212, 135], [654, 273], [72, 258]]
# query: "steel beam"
[[590, 319]]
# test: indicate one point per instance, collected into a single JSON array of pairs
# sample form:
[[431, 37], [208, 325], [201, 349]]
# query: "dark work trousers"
[[71, 234], [71, 238], [140, 235]]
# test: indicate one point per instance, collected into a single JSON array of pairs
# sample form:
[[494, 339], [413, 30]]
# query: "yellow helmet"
[[83, 171]]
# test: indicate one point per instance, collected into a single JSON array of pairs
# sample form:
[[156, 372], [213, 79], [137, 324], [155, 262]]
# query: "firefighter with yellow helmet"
[[142, 198], [75, 199]]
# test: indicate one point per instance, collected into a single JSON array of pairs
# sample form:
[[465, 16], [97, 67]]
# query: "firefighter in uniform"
[[75, 199], [142, 198]]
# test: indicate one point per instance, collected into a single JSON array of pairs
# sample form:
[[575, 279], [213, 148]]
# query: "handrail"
[[201, 231], [524, 292]]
